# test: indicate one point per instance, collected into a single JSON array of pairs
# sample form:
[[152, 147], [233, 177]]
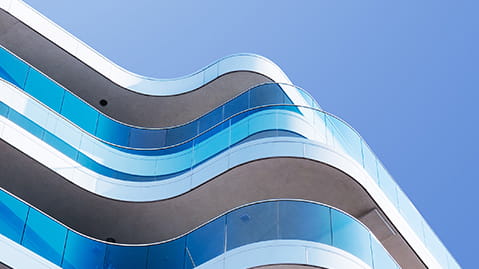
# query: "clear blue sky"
[[404, 73]]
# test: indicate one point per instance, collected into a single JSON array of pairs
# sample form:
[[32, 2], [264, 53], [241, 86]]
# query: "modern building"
[[230, 167]]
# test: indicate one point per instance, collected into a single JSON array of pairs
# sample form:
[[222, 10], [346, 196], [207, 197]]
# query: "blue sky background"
[[404, 73]]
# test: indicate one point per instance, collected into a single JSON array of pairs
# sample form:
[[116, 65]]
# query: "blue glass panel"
[[111, 131], [217, 140], [181, 133], [13, 214], [410, 213], [167, 255], [4, 109], [370, 162], [144, 138], [387, 184], [79, 112], [307, 98], [12, 69], [44, 90], [381, 258], [207, 242], [211, 119], [266, 94], [60, 145], [304, 221], [344, 138], [351, 236], [236, 105], [83, 253], [25, 123], [254, 223], [44, 236], [120, 257]]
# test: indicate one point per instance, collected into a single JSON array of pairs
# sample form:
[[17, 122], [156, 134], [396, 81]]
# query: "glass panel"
[[210, 119], [44, 236], [410, 213], [181, 133], [382, 259], [344, 138], [304, 221], [387, 184], [79, 112], [351, 236], [143, 138], [13, 214], [120, 257], [111, 131], [236, 105], [83, 253], [167, 255], [254, 223], [25, 123], [370, 162], [435, 245], [12, 69], [266, 94], [207, 242], [44, 90], [205, 149]]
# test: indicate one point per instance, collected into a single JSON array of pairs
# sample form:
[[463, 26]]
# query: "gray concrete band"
[[123, 104], [275, 178]]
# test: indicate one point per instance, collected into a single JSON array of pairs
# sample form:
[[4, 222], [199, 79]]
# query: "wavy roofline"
[[129, 80]]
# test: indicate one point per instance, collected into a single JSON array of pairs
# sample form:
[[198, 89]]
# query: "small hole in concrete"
[[103, 102]]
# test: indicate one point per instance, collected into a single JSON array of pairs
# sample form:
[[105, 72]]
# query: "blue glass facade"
[[108, 148]]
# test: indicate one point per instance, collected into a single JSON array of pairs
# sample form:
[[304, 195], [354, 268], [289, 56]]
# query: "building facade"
[[230, 167]]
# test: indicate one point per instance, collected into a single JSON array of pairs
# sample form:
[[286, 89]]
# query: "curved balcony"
[[283, 222]]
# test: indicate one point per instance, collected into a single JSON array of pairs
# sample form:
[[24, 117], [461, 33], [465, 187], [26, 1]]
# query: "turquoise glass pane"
[[351, 236], [343, 138], [370, 164], [304, 221], [13, 214], [410, 213], [44, 236], [217, 140], [122, 257], [79, 113], [207, 242], [83, 253], [44, 90], [254, 223], [167, 255], [381, 258], [387, 184], [12, 69]]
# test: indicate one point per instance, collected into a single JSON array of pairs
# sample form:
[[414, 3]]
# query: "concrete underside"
[[275, 178], [123, 104]]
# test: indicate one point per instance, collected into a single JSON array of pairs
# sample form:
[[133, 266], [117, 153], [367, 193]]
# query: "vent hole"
[[103, 102], [111, 240]]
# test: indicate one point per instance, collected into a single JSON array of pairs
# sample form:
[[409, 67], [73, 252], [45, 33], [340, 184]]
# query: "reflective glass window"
[[211, 119], [351, 236], [12, 69], [181, 133], [13, 214], [167, 255], [144, 138], [254, 223], [44, 90], [25, 123], [83, 253], [387, 184], [123, 257], [304, 221], [44, 236], [207, 242], [236, 105], [79, 112], [410, 213]]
